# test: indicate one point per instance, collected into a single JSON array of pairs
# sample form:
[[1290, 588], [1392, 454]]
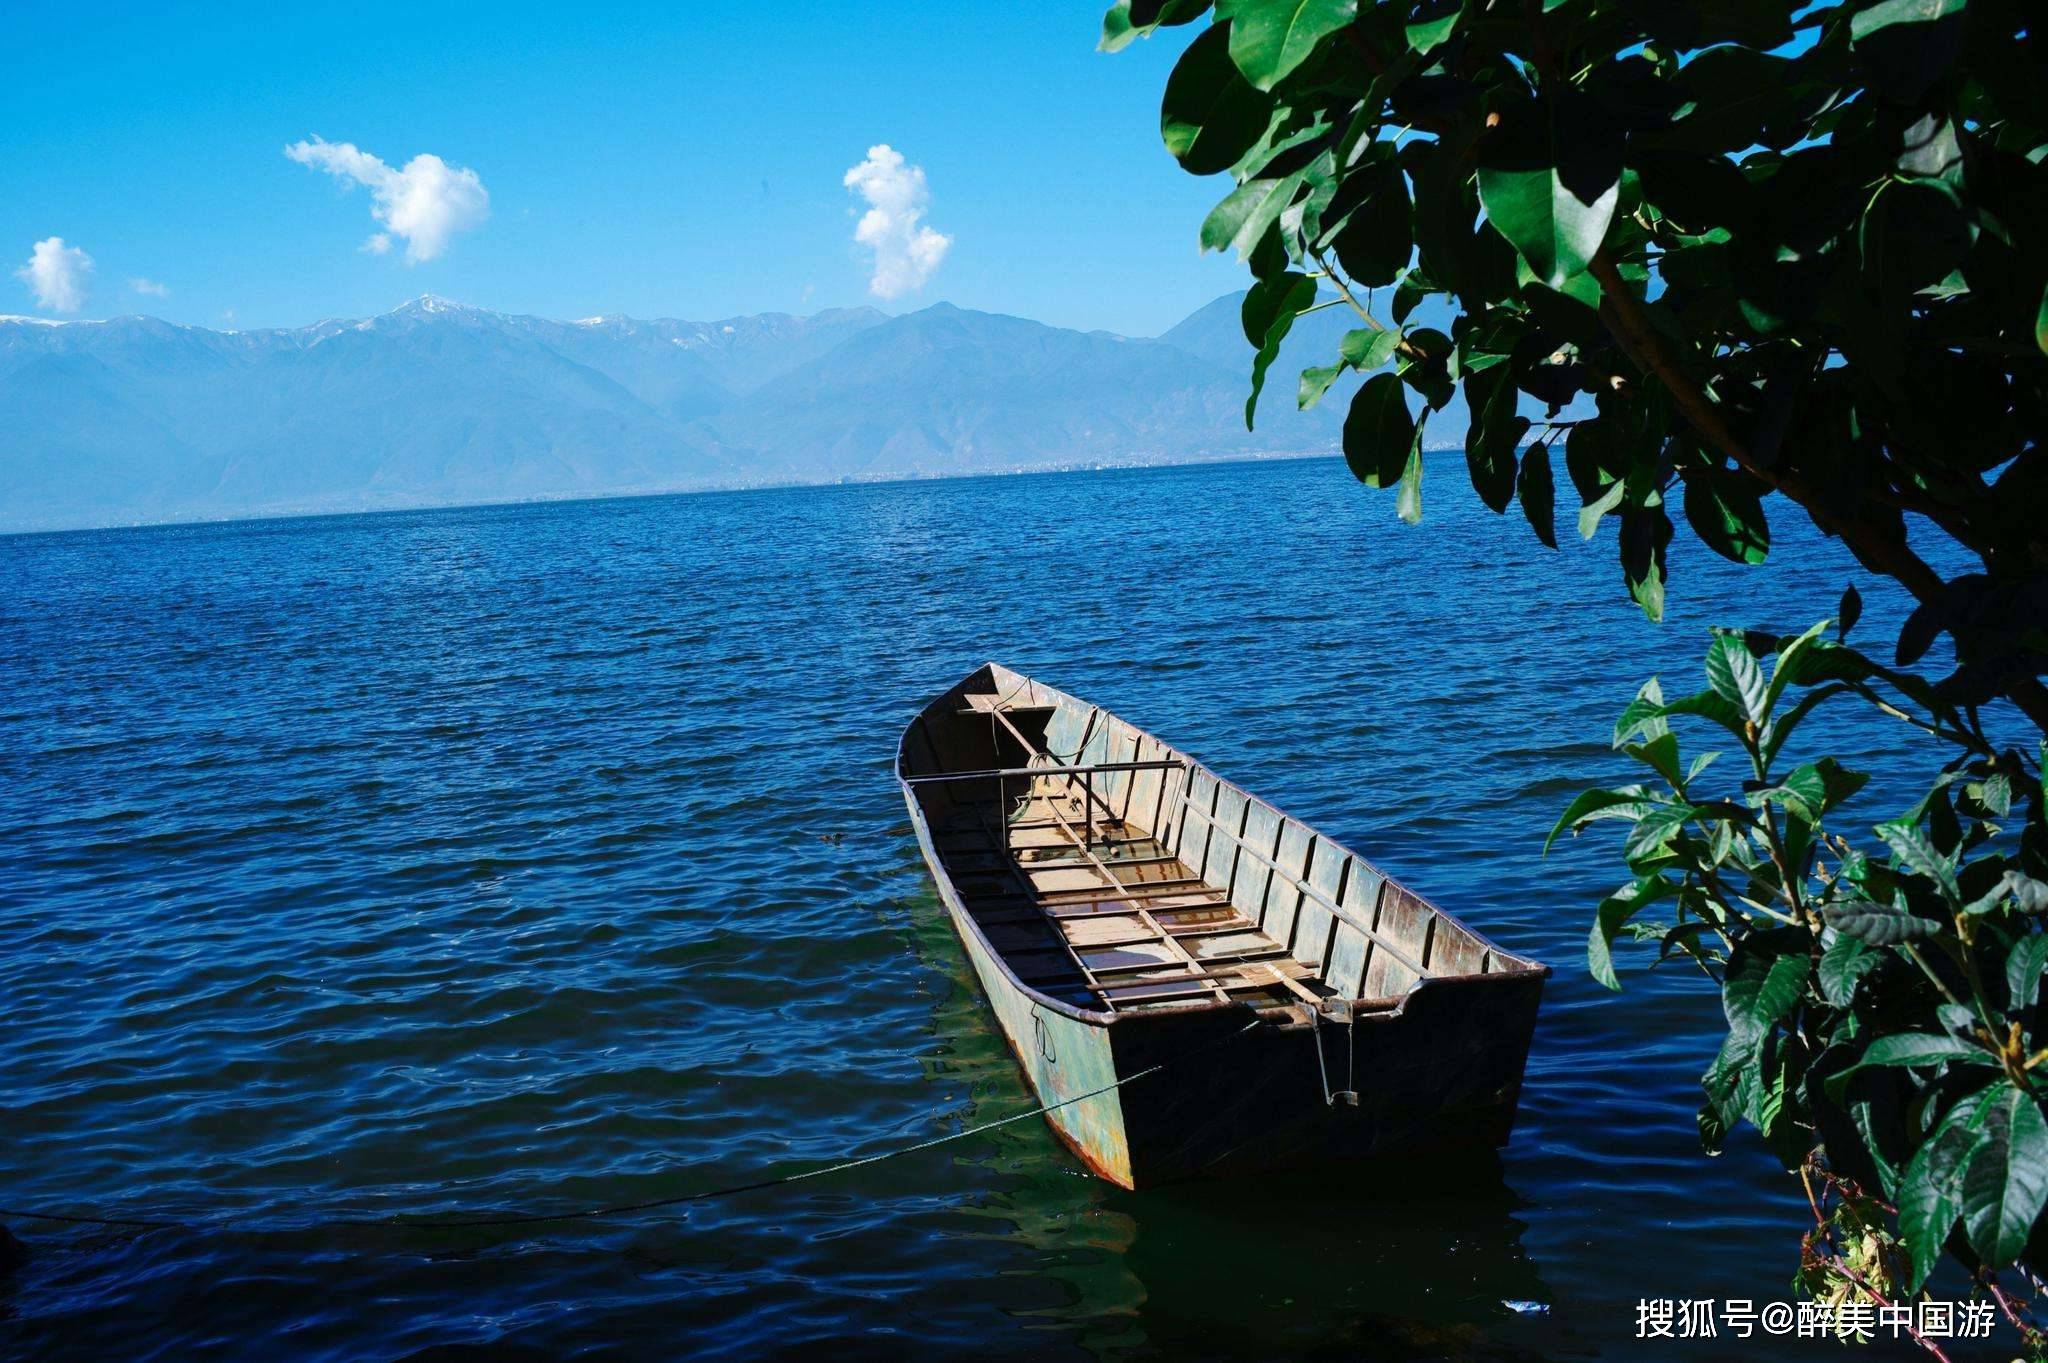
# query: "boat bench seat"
[[1084, 902], [1115, 921], [989, 705]]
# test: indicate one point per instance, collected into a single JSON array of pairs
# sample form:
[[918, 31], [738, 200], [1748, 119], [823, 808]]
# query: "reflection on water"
[[1322, 1262]]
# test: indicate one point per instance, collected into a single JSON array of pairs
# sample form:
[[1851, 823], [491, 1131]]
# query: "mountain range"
[[136, 419]]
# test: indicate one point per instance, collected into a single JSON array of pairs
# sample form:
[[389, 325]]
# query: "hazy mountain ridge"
[[138, 419]]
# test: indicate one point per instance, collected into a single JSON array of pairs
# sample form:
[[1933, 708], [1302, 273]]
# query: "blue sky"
[[680, 160]]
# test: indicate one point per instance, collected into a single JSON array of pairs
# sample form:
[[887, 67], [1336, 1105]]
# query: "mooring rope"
[[1330, 1096], [402, 1221]]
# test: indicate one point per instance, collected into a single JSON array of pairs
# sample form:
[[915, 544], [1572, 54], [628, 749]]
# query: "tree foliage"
[[1883, 988], [1782, 253], [1776, 247]]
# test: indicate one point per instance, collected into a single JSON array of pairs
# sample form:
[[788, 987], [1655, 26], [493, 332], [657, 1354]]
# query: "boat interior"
[[1113, 874]]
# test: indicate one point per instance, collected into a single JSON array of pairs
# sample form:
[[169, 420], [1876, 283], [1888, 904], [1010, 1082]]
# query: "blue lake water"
[[546, 856]]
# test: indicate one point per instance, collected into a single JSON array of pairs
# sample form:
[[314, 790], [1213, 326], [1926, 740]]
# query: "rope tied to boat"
[[399, 1221], [1349, 1093]]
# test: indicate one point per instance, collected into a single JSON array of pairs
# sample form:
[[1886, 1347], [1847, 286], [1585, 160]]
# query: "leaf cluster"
[[1883, 989], [1769, 246]]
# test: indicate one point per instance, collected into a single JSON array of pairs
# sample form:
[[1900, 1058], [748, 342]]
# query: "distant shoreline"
[[628, 494], [715, 489]]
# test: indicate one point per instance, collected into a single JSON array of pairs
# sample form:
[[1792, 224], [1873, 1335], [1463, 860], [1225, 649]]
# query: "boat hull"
[[1212, 1092], [1329, 1049], [1063, 1057]]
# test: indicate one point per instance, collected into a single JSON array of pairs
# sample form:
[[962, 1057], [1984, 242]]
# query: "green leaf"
[[1434, 26], [2028, 894], [1549, 179], [1282, 145], [1268, 312], [2023, 967], [1411, 290], [1713, 1128], [1877, 924], [1761, 988], [1645, 533], [1241, 220], [1129, 19], [1708, 705], [1374, 235], [1270, 38], [1494, 435], [1209, 116], [1930, 147], [1722, 1083], [1538, 494], [1842, 965], [1424, 365], [1591, 512], [1993, 794], [1789, 664], [1643, 715], [1911, 849], [1378, 432], [1660, 754], [1913, 233], [1314, 383], [1930, 1193], [1913, 1049], [1368, 348], [1811, 790], [2006, 1184], [1608, 919], [1906, 44], [1653, 832], [1726, 512], [1408, 501], [2041, 324], [1851, 609], [1701, 23], [1588, 805], [1117, 29], [1738, 96], [1733, 673]]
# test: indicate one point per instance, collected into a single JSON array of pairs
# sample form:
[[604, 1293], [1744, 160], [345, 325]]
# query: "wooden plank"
[[1068, 925], [1166, 937], [1247, 971], [1061, 937], [1294, 985], [1128, 902]]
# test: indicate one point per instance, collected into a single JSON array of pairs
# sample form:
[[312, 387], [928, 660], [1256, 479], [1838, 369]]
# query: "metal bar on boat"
[[1032, 750], [995, 772]]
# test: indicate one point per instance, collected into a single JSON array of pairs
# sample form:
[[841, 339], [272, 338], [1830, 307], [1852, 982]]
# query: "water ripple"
[[549, 856]]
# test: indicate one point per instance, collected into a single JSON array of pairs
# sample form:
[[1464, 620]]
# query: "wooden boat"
[[1220, 987]]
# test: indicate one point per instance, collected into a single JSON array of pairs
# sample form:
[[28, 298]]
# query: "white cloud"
[[907, 253], [150, 287], [425, 203], [56, 275]]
